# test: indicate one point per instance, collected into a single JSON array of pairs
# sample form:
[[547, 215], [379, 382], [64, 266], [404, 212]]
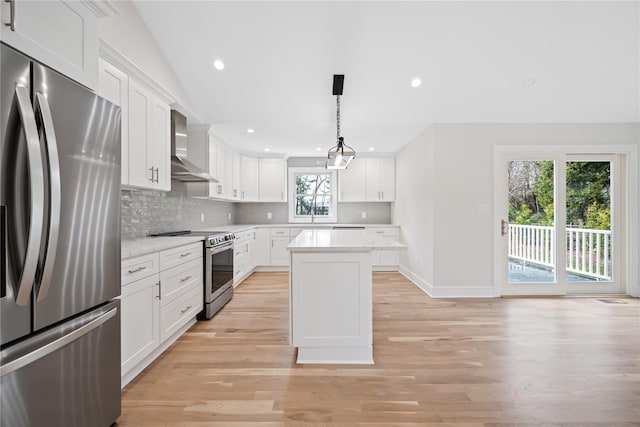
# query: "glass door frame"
[[616, 206], [501, 199], [627, 228]]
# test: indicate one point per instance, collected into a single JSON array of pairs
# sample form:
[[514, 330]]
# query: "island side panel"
[[331, 302]]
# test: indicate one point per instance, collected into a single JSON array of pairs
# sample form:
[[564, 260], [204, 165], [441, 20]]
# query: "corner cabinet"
[[146, 129], [61, 34], [371, 179]]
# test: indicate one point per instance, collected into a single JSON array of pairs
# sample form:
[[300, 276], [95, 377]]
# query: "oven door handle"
[[222, 248]]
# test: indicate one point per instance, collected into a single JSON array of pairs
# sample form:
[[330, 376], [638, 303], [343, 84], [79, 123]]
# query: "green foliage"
[[523, 215], [531, 194]]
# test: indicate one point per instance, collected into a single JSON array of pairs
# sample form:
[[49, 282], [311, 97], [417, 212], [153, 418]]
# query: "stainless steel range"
[[218, 269]]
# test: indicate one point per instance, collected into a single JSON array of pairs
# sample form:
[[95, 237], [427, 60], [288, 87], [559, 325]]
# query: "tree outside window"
[[313, 195]]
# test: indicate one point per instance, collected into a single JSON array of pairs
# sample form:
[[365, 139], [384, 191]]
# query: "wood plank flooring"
[[508, 362]]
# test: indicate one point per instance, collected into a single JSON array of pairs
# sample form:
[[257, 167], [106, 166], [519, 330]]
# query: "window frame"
[[333, 177]]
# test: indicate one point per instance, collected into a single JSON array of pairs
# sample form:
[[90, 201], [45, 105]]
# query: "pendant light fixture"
[[341, 154]]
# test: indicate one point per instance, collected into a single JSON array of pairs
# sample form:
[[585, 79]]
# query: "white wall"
[[128, 34], [414, 207], [462, 250]]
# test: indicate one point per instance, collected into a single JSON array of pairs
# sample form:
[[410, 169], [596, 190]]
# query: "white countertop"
[[145, 245], [341, 241], [236, 228], [131, 248]]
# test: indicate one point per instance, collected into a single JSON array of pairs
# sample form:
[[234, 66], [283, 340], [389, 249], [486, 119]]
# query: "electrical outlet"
[[364, 215], [201, 217], [229, 216], [269, 215]]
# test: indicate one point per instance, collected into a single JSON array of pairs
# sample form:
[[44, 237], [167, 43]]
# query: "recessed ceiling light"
[[318, 148], [250, 130], [372, 149], [266, 149], [529, 82], [218, 64], [416, 82]]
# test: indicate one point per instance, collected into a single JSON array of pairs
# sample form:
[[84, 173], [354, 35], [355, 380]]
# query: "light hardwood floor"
[[438, 362]]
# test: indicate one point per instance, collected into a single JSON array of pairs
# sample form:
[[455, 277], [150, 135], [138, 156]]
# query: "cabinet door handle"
[[157, 175], [12, 11], [159, 290], [151, 169], [135, 270], [185, 310], [382, 192], [235, 193], [242, 194], [184, 279], [185, 254]]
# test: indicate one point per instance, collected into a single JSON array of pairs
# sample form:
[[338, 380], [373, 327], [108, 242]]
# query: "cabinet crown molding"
[[127, 66], [102, 8]]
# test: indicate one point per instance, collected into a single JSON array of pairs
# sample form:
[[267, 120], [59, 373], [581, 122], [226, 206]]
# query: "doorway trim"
[[630, 250]]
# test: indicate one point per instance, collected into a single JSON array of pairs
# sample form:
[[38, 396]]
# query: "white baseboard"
[[417, 280], [449, 292], [385, 268], [136, 370]]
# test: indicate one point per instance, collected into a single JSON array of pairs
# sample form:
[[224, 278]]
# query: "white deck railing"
[[588, 251]]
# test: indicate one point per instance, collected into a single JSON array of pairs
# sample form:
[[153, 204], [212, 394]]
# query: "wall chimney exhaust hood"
[[181, 168]]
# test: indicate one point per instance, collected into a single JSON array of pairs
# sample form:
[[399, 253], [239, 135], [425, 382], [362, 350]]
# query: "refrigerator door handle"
[[42, 107], [59, 343], [28, 274]]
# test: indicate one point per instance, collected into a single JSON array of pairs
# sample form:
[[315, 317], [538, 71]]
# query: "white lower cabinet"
[[140, 316], [279, 242], [161, 294], [386, 259]]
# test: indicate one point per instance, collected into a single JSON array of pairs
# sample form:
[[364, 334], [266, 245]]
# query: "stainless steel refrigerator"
[[60, 215]]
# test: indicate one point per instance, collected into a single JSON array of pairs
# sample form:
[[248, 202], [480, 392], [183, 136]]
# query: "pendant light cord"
[[338, 116]]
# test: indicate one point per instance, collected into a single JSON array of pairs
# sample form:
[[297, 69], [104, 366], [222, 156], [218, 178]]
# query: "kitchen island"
[[330, 302]]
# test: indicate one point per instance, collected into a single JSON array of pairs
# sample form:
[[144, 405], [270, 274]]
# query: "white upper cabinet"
[[61, 34], [236, 194], [161, 144], [113, 85], [146, 129], [149, 140], [272, 186], [249, 179], [220, 169], [381, 179], [371, 179], [351, 182], [228, 173]]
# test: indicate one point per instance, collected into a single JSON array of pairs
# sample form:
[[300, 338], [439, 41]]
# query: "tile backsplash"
[[148, 211], [348, 213]]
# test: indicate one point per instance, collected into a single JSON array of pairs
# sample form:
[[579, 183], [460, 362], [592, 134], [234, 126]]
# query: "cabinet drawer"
[[177, 280], [246, 235], [279, 232], [178, 312], [391, 233], [172, 257], [137, 268]]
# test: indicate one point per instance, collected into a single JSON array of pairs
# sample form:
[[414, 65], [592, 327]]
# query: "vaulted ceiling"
[[478, 62]]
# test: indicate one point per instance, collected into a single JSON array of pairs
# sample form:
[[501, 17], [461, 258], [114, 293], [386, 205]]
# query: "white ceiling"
[[473, 58]]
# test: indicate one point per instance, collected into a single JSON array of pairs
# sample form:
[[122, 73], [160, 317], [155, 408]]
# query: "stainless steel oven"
[[218, 275]]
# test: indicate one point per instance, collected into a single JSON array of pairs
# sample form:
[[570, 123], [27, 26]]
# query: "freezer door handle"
[[49, 256], [59, 343], [32, 253]]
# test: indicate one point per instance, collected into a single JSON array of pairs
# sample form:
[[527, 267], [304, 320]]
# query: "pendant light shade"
[[340, 155]]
